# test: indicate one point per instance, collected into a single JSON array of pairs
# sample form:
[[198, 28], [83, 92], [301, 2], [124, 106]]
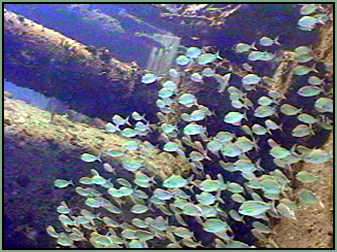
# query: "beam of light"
[[152, 58], [158, 60], [161, 59]]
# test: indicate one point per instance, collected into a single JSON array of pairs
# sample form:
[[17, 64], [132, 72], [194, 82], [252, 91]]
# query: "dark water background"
[[273, 20], [251, 23]]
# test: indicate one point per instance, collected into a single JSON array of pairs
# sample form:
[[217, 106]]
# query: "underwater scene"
[[165, 125]]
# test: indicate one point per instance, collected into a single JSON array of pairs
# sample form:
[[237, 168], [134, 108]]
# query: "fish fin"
[[276, 40], [205, 155], [277, 115], [256, 145], [252, 46], [311, 130], [218, 55], [293, 148], [245, 116], [127, 121]]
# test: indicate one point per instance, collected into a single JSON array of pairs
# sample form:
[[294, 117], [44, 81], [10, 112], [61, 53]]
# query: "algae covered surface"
[[37, 153]]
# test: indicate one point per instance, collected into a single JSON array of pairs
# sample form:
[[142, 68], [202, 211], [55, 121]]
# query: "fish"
[[107, 167], [263, 56], [264, 111], [234, 118], [208, 72], [324, 105], [302, 130], [187, 99], [303, 70], [307, 22], [196, 77], [165, 93], [290, 110], [266, 41], [308, 9], [307, 91], [243, 47], [138, 117], [223, 81], [206, 58], [247, 67], [62, 183], [197, 115], [182, 60], [193, 129], [193, 52], [51, 231], [149, 78], [251, 79]]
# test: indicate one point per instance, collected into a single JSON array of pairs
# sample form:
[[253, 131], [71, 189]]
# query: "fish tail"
[[127, 121], [281, 127], [245, 116], [314, 68], [218, 55], [99, 158], [276, 40], [252, 46]]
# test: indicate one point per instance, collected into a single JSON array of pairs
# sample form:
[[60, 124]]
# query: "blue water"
[[27, 94]]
